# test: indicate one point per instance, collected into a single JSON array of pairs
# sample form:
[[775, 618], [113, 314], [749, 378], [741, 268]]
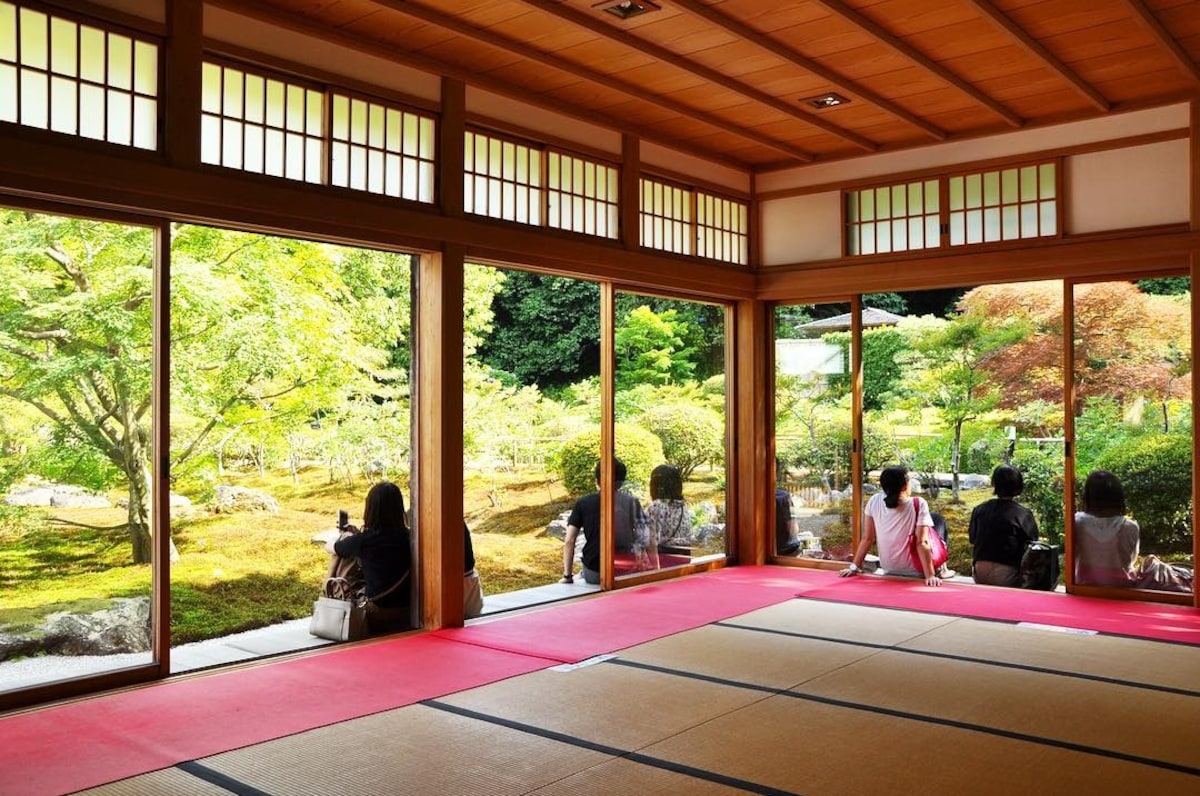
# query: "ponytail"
[[893, 480]]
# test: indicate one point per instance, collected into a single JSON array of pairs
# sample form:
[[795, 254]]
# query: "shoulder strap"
[[916, 503]]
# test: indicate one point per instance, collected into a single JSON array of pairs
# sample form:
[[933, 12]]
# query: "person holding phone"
[[383, 548]]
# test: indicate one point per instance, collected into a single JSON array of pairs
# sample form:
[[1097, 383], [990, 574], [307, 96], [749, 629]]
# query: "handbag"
[[938, 554], [338, 619], [1039, 566]]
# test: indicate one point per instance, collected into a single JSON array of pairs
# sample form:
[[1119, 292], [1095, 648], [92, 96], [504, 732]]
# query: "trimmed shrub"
[[1156, 471], [637, 447], [690, 435]]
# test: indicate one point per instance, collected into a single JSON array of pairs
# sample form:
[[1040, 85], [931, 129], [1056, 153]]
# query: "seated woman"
[[999, 530], [890, 517], [1106, 543], [383, 549], [670, 520]]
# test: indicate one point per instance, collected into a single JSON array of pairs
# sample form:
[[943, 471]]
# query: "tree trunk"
[[954, 456], [138, 473]]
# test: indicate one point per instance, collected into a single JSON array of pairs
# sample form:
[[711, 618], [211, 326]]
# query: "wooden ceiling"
[[724, 79]]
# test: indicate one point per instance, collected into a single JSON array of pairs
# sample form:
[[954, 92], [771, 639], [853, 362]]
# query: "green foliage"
[[789, 318], [1043, 471], [1156, 471], [576, 462], [690, 435], [1166, 285], [545, 330], [70, 460], [883, 351], [650, 349], [1100, 427], [700, 326], [889, 302]]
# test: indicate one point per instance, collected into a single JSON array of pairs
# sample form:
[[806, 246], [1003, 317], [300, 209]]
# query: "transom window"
[[261, 124], [581, 195], [502, 178], [381, 149], [80, 79], [1008, 204], [994, 206], [722, 231], [667, 217], [687, 221], [893, 218]]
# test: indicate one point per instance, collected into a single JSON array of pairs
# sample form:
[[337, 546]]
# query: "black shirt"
[[999, 530], [586, 516], [783, 516], [385, 557]]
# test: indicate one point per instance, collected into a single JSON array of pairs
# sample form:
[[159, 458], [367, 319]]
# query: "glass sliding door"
[[76, 369], [531, 431], [1132, 413], [814, 490], [670, 433], [289, 401]]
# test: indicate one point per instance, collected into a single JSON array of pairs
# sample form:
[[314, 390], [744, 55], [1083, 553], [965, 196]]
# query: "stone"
[[239, 498], [558, 527], [63, 496], [123, 627], [709, 532]]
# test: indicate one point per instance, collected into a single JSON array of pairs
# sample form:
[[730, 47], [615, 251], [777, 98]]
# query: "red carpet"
[[580, 630], [90, 742], [1117, 617]]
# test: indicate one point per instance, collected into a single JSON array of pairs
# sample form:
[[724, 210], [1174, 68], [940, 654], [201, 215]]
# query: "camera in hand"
[[343, 519]]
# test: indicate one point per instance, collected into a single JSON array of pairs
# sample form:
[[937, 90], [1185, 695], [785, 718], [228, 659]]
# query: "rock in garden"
[[239, 498], [558, 527], [125, 627]]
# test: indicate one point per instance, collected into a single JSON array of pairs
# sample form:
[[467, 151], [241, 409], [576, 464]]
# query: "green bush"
[[690, 435], [1043, 494], [637, 447], [1156, 471]]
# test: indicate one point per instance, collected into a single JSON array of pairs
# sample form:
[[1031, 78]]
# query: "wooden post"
[[1194, 191], [752, 444], [438, 475], [608, 373], [451, 133], [183, 78], [160, 455], [1068, 375], [631, 192]]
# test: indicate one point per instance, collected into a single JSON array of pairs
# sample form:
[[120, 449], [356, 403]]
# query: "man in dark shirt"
[[786, 528], [585, 516]]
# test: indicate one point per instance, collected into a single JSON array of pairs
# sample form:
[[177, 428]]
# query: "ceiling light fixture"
[[624, 9], [825, 101]]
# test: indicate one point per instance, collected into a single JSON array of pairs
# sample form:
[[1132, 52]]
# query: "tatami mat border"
[[626, 754], [926, 719], [201, 771], [1026, 667]]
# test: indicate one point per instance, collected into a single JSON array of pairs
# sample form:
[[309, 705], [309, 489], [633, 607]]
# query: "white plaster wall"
[[242, 31], [672, 160], [802, 228], [1172, 117], [541, 120], [1126, 188]]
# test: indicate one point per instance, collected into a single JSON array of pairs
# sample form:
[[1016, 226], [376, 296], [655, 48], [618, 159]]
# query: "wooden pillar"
[[752, 444], [451, 132], [857, 433], [631, 192], [438, 473], [1068, 368], [160, 454], [181, 88], [608, 373], [1194, 191]]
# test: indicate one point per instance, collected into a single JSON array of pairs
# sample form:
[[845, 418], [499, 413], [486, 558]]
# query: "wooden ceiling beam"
[[920, 59], [522, 49], [749, 34], [375, 49], [1035, 48], [1163, 36], [699, 70]]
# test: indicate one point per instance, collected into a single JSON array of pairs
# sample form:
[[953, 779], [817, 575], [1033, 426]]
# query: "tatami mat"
[[810, 748], [800, 697]]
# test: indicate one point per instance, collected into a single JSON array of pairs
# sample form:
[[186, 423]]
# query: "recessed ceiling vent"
[[825, 101], [626, 9]]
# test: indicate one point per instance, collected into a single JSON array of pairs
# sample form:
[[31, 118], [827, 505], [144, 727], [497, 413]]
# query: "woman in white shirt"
[[1106, 541], [888, 521]]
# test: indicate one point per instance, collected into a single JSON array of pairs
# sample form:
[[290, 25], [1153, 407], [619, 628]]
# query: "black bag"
[[1039, 567]]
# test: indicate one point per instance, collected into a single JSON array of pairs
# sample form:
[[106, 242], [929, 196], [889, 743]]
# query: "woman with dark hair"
[[999, 530], [889, 519], [383, 548], [1106, 541], [670, 522]]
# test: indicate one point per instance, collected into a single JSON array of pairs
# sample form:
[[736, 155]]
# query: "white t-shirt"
[[892, 529]]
